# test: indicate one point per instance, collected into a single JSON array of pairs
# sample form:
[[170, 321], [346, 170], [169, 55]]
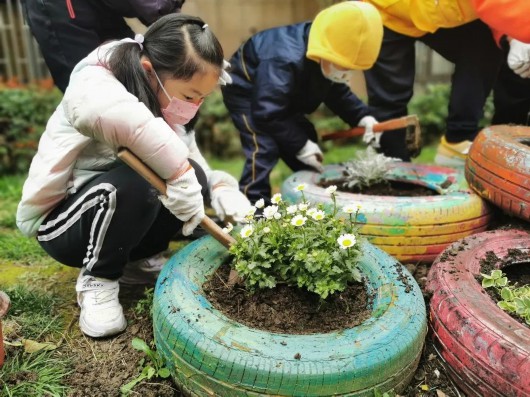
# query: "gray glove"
[[184, 200], [370, 137], [311, 155]]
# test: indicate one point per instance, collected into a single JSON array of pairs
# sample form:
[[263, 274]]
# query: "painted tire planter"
[[487, 351], [498, 168], [212, 355], [4, 307], [412, 229]]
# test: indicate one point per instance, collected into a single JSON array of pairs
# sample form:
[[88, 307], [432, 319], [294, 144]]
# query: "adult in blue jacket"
[[282, 74], [67, 31]]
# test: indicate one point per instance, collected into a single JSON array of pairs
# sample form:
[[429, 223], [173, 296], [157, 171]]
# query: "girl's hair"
[[177, 45]]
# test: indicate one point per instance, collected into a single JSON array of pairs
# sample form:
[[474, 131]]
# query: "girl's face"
[[193, 90]]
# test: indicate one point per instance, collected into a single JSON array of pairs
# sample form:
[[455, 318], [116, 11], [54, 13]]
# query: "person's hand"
[[227, 200], [370, 137], [519, 58], [311, 155], [184, 200]]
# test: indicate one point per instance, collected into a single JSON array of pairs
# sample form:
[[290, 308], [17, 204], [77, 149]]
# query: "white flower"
[[292, 209], [228, 228], [346, 241], [251, 211], [318, 215], [348, 209], [303, 206], [260, 203], [269, 211], [266, 229], [311, 211], [300, 187], [277, 198], [247, 231], [331, 189], [277, 216], [298, 220]]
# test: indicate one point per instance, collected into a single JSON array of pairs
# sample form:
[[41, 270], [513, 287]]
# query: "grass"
[[33, 313], [37, 374]]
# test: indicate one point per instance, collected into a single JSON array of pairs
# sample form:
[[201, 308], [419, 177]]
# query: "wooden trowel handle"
[[388, 125], [207, 223]]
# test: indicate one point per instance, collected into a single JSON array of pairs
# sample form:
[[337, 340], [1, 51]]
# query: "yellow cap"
[[348, 34]]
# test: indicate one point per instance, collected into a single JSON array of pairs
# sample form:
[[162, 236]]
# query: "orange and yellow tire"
[[498, 168], [413, 229]]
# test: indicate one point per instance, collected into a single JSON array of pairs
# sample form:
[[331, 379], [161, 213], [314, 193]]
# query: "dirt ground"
[[101, 367]]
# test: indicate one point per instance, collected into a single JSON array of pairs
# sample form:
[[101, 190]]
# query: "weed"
[[154, 367], [145, 305]]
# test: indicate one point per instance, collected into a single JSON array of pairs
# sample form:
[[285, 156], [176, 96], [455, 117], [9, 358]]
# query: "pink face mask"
[[178, 111]]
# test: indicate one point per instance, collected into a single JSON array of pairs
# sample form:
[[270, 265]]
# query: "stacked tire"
[[412, 229], [498, 168]]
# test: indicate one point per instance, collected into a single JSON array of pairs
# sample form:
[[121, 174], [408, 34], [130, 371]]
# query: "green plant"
[[514, 300], [154, 367], [23, 114], [299, 245], [37, 374], [367, 169], [145, 305], [495, 279]]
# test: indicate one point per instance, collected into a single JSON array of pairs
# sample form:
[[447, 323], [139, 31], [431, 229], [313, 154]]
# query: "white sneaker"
[[101, 311], [143, 271]]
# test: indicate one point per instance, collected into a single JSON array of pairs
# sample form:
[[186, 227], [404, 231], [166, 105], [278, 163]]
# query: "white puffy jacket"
[[96, 116]]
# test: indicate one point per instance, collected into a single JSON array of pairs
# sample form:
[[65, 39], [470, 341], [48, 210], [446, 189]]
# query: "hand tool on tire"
[[158, 183], [410, 123]]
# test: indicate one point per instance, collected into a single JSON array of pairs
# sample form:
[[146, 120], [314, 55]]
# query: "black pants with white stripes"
[[115, 218]]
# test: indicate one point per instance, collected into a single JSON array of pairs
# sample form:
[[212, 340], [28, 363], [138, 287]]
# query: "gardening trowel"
[[207, 223], [410, 123]]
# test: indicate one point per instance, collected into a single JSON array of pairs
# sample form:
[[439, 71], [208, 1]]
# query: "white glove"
[[370, 137], [227, 200], [311, 155], [225, 78], [519, 58], [184, 200]]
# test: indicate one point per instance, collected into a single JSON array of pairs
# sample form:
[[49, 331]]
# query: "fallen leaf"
[[431, 357], [31, 346], [440, 393], [424, 387]]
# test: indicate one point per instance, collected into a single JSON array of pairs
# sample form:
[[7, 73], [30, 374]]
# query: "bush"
[[24, 113], [432, 108]]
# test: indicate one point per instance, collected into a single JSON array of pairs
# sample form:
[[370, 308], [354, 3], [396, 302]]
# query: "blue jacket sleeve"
[[272, 107], [345, 104]]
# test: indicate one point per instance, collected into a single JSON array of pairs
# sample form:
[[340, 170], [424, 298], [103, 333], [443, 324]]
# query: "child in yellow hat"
[[282, 74]]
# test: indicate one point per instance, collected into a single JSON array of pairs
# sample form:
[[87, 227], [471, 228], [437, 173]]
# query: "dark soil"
[[387, 188], [288, 309]]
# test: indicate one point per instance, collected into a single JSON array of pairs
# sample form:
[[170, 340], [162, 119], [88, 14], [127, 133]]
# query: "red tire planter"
[[487, 352], [498, 168]]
